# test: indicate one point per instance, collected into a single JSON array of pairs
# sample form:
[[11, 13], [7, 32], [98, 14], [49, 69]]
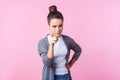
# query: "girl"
[[55, 49]]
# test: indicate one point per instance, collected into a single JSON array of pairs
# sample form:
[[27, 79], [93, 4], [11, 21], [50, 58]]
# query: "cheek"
[[61, 29], [52, 29]]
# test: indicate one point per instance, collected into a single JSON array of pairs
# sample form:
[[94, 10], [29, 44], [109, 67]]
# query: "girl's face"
[[56, 27]]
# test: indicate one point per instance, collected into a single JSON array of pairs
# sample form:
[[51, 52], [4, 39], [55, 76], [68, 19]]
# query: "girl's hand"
[[53, 39], [68, 66]]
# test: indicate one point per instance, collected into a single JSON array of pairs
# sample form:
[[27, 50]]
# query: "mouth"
[[58, 34]]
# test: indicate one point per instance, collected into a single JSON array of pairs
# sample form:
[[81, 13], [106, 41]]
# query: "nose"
[[57, 29]]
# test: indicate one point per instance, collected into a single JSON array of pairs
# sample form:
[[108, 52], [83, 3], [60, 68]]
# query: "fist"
[[53, 39]]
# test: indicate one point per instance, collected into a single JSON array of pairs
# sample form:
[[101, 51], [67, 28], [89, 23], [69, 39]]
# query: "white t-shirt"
[[60, 52]]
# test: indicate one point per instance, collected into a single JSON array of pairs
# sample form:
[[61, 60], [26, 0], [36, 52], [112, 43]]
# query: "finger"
[[53, 35], [55, 39]]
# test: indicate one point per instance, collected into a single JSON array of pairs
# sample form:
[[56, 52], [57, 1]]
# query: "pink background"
[[94, 24]]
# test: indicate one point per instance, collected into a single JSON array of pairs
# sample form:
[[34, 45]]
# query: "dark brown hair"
[[54, 13]]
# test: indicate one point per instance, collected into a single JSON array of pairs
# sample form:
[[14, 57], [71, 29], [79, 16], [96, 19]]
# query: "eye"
[[61, 25], [54, 26]]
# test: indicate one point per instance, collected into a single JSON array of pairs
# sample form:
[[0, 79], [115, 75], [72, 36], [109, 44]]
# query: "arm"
[[77, 51], [46, 51], [53, 40], [51, 51], [43, 47], [70, 64]]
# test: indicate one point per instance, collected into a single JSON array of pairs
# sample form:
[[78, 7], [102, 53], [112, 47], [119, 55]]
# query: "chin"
[[58, 35]]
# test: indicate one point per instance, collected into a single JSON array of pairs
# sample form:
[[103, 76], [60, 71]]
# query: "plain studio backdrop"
[[93, 24]]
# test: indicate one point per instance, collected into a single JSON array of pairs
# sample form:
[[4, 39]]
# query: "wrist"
[[72, 62], [51, 44], [68, 66]]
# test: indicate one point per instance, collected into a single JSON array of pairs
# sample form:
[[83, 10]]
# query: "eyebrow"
[[58, 25]]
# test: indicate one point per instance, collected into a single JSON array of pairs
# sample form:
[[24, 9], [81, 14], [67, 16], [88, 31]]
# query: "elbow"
[[47, 61], [77, 53]]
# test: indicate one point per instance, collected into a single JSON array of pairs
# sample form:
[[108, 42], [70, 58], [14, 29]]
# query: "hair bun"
[[52, 8]]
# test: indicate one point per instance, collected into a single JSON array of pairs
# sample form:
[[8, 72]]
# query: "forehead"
[[55, 21]]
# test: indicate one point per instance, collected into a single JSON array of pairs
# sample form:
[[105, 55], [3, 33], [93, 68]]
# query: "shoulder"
[[43, 45], [67, 38], [43, 40]]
